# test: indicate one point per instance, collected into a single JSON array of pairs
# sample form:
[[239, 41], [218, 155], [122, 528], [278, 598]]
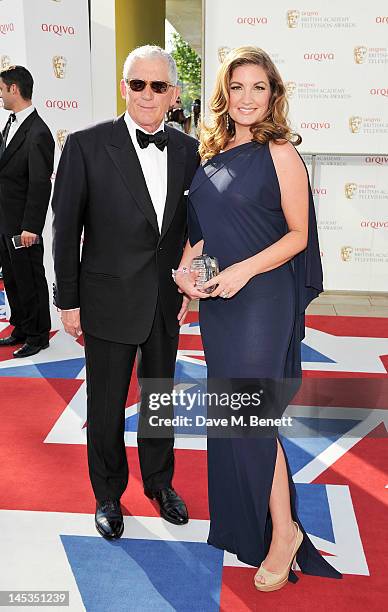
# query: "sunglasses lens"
[[159, 87], [137, 84]]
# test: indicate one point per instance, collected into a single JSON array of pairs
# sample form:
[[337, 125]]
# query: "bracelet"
[[182, 270]]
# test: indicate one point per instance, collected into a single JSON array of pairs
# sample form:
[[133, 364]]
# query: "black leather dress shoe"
[[172, 507], [109, 519], [28, 350], [11, 341]]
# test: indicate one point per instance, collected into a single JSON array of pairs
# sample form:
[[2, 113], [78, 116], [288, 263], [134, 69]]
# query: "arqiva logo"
[[319, 191], [59, 30], [62, 104], [315, 125], [379, 91], [375, 224], [376, 159], [319, 57], [6, 27], [382, 20], [252, 20]]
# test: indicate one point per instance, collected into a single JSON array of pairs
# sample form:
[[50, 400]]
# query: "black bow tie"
[[159, 139]]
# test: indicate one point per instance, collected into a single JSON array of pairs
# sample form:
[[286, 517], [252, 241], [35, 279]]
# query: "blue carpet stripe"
[[69, 368], [133, 575]]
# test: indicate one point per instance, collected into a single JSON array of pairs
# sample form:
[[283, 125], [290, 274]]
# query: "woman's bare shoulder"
[[284, 152]]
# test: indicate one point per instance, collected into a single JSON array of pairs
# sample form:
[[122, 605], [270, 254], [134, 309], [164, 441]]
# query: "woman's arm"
[[293, 182], [190, 252]]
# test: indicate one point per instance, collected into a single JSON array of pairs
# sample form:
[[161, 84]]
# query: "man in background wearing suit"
[[26, 165], [124, 183]]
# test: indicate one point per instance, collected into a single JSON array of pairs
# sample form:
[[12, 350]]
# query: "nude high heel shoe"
[[274, 582]]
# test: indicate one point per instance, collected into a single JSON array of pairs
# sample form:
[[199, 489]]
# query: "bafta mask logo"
[[293, 18], [61, 138], [350, 190], [346, 253], [222, 53], [59, 65], [5, 62], [290, 88], [355, 124], [360, 54]]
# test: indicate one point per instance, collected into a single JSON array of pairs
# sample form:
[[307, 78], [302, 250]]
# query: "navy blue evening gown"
[[234, 206]]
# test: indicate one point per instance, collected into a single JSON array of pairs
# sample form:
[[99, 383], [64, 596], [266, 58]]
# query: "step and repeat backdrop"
[[51, 39], [333, 58]]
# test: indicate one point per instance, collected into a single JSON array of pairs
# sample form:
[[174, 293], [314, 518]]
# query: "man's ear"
[[175, 95], [123, 89]]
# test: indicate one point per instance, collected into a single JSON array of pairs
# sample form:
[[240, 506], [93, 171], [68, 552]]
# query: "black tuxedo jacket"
[[126, 262], [25, 178]]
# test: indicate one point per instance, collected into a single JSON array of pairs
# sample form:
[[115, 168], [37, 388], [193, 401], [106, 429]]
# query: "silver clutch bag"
[[207, 267]]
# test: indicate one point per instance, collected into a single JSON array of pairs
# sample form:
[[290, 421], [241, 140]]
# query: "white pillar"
[[103, 52]]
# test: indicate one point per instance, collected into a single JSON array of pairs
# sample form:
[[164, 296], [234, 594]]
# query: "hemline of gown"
[[309, 559], [292, 577]]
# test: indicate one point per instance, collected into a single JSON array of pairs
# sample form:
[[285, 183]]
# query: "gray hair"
[[151, 51]]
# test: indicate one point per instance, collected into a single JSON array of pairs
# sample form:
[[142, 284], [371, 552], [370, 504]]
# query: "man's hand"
[[71, 322], [28, 238], [184, 310]]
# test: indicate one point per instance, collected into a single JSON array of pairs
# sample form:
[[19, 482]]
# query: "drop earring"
[[227, 122]]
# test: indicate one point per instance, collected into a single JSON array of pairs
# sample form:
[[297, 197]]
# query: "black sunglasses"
[[159, 87]]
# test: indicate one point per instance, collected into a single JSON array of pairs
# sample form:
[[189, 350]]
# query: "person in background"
[[196, 111], [26, 166], [124, 182], [177, 118]]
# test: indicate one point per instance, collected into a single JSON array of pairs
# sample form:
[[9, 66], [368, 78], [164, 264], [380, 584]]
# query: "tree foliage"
[[189, 69]]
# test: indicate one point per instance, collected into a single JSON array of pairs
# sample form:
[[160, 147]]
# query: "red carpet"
[[48, 476]]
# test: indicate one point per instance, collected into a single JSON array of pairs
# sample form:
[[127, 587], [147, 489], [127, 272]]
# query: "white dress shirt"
[[20, 117], [154, 166]]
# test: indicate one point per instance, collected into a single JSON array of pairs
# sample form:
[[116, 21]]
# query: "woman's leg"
[[283, 528]]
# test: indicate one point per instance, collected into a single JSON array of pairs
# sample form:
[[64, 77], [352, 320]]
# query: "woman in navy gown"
[[250, 205]]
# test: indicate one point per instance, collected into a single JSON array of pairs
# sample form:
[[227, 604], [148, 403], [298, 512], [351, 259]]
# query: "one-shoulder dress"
[[235, 207]]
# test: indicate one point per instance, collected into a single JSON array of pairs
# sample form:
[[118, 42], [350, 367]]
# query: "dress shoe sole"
[[109, 537], [268, 588]]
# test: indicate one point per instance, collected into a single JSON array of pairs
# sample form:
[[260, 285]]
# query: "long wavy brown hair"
[[274, 126]]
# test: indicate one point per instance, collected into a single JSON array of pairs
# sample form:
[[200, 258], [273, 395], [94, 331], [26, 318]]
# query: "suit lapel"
[[18, 139], [176, 160], [123, 155]]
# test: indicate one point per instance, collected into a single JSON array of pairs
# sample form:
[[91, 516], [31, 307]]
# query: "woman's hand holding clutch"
[[230, 280]]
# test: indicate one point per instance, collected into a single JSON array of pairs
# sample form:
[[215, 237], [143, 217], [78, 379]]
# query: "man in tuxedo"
[[26, 165], [124, 183]]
